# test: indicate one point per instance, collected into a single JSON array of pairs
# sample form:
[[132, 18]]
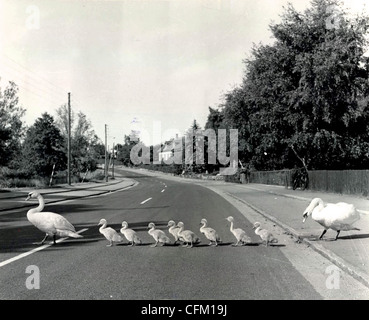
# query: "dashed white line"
[[146, 200], [25, 254]]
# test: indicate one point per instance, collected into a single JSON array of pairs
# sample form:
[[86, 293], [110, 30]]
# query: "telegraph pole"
[[69, 138], [106, 153], [112, 169]]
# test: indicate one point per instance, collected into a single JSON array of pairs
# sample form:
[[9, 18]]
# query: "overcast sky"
[[147, 65]]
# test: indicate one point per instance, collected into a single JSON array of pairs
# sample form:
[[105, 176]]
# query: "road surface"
[[87, 269]]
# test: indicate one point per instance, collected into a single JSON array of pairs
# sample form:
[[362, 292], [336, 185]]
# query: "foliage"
[[11, 126], [84, 142], [307, 91], [124, 151], [42, 148]]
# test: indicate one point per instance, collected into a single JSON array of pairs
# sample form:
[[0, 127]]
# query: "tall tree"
[[43, 148], [124, 151], [11, 125], [83, 139], [307, 91]]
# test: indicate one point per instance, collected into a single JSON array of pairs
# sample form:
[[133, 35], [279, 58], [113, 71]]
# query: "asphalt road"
[[87, 269]]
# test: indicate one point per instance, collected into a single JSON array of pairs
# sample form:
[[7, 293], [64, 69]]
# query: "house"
[[167, 150]]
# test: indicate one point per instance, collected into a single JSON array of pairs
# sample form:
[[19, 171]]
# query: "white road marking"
[[146, 200], [25, 254]]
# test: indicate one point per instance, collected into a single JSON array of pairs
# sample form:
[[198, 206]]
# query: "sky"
[[152, 66]]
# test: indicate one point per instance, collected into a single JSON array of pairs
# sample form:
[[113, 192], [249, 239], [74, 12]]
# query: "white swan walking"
[[109, 233], [209, 233], [130, 234], [265, 235], [336, 216], [188, 236], [173, 230], [158, 235], [51, 223], [239, 233]]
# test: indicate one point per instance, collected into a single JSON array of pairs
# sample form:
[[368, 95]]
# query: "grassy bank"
[[12, 179]]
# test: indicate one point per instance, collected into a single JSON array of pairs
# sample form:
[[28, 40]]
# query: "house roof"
[[170, 145]]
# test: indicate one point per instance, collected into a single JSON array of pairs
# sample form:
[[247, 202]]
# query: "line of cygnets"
[[54, 224], [187, 237]]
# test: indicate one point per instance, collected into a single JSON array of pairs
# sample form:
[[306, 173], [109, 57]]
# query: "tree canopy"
[[11, 125], [43, 148], [83, 139], [307, 91]]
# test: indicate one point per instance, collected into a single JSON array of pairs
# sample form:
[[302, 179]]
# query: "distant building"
[[167, 151]]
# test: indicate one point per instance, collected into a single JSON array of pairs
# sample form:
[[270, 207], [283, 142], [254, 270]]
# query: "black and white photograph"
[[183, 157]]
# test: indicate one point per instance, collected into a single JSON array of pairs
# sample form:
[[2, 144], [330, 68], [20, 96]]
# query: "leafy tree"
[[97, 148], [11, 125], [42, 148], [215, 119], [124, 151], [83, 154], [306, 92]]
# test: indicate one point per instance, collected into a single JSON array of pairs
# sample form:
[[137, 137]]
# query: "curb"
[[282, 194], [71, 198], [66, 189], [339, 262]]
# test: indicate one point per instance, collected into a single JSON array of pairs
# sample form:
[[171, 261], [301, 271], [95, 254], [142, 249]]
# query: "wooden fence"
[[278, 177], [337, 181]]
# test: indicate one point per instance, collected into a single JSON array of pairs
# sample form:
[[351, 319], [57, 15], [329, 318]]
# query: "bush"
[[10, 178]]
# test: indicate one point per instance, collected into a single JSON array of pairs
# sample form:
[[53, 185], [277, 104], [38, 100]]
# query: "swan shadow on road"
[[205, 244], [126, 244], [143, 225], [333, 239], [280, 245], [354, 236], [260, 244], [19, 239], [70, 242]]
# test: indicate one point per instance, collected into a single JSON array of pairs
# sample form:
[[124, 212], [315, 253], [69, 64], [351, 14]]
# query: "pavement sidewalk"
[[350, 252], [11, 199]]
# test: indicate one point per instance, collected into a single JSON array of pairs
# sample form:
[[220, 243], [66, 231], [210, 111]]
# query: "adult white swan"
[[336, 216], [51, 223]]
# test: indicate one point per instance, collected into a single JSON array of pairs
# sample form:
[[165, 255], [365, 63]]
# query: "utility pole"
[[112, 169], [106, 153], [69, 138]]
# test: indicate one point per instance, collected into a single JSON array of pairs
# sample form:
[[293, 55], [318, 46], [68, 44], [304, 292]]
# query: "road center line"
[[146, 200], [25, 254]]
